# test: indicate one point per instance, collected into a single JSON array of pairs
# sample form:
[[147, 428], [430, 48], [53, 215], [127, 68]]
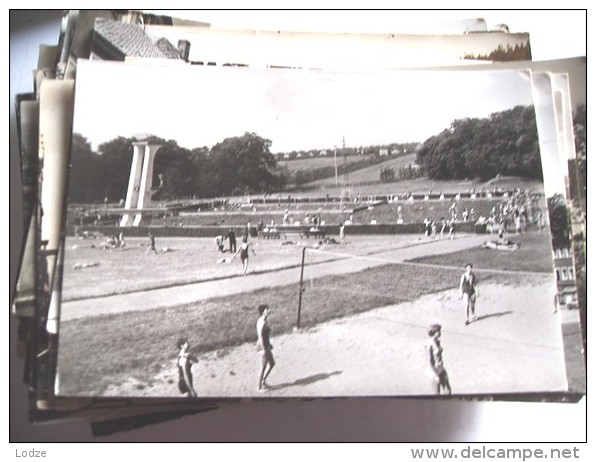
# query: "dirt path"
[[515, 346], [146, 300]]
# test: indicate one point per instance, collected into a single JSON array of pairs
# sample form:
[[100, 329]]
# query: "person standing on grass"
[[151, 246], [219, 243], [264, 347], [232, 240], [433, 229], [435, 357], [468, 290], [427, 229], [184, 365], [243, 251], [451, 228], [443, 227]]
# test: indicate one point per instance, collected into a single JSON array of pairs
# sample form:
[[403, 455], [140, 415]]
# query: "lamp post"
[[335, 158]]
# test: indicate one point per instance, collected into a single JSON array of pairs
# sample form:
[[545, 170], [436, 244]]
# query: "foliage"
[[237, 164], [581, 148], [85, 171], [242, 164], [519, 52], [559, 221], [387, 175], [506, 143], [115, 160]]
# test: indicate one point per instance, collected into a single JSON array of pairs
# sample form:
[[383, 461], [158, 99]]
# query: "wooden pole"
[[301, 289]]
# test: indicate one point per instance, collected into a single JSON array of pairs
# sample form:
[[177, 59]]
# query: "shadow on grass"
[[493, 315], [306, 380]]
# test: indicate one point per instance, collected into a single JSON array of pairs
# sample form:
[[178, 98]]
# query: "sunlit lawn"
[[189, 260], [534, 254]]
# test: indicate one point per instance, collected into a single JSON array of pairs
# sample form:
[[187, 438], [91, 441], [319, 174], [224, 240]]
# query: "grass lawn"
[[309, 163], [97, 352], [191, 260], [372, 173], [535, 254]]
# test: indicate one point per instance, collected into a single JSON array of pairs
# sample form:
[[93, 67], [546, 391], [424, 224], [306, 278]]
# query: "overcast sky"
[[296, 110]]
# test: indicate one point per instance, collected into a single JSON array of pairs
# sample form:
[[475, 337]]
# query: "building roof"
[[131, 40], [167, 49]]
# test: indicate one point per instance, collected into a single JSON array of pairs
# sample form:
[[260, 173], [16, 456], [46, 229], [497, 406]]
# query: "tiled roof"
[[168, 50], [129, 39]]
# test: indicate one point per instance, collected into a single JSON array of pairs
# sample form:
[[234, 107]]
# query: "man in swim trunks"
[[264, 347], [184, 365], [468, 288], [435, 356]]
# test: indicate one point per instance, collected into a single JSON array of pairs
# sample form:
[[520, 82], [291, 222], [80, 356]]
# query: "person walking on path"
[[243, 251], [435, 357], [468, 291], [184, 365], [264, 347], [151, 246]]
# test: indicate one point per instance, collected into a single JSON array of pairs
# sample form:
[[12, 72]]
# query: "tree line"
[[233, 166], [504, 143], [389, 175], [519, 52], [373, 150]]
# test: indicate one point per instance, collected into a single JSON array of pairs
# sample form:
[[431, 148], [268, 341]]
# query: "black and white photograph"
[[235, 232]]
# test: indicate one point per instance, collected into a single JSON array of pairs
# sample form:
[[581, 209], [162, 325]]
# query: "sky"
[[296, 109]]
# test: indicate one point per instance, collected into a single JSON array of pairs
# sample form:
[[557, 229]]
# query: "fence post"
[[301, 289]]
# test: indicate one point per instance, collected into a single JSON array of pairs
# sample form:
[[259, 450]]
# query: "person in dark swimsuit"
[[151, 246], [264, 347], [468, 288], [232, 240], [243, 251], [184, 365], [435, 356]]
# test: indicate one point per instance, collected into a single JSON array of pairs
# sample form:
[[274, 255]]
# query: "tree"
[[243, 163], [581, 150], [387, 174], [559, 221], [115, 163], [174, 164], [505, 143], [85, 172]]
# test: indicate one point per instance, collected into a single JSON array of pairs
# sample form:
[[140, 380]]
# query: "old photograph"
[[236, 232]]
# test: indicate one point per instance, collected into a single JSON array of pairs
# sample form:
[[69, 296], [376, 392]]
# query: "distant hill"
[[308, 163], [369, 174]]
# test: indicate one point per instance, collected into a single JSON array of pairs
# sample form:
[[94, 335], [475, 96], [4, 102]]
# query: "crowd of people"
[[439, 229], [520, 210]]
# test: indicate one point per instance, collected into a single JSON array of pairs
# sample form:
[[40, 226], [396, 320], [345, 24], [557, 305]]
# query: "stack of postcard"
[[220, 215]]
